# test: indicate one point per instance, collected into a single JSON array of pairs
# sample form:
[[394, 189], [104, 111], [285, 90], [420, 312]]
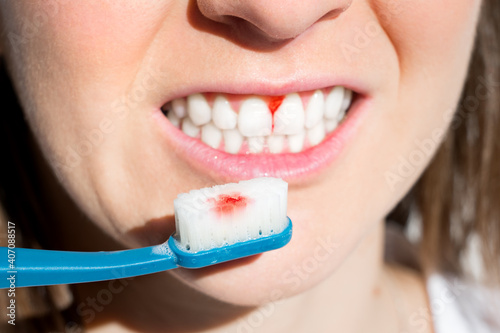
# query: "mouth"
[[291, 136]]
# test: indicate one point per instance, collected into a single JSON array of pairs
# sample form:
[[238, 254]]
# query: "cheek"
[[69, 46], [74, 52], [433, 42], [426, 33], [82, 61], [112, 35]]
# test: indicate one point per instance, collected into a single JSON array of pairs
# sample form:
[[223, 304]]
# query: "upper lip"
[[266, 87]]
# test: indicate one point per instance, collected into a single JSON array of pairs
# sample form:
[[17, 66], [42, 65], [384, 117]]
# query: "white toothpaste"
[[226, 214]]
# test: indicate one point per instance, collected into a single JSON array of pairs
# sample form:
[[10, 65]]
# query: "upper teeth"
[[223, 115], [289, 118], [198, 109], [254, 118], [254, 129]]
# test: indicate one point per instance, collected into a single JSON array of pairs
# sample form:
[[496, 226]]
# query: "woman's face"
[[93, 80]]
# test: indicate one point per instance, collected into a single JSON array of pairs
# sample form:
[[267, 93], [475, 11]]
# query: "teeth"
[[211, 135], [346, 102], [334, 102], [179, 107], [198, 109], [314, 110], [316, 134], [174, 119], [232, 141], [256, 144], [254, 118], [223, 115], [296, 142], [189, 128], [292, 128], [330, 125], [275, 143], [289, 118]]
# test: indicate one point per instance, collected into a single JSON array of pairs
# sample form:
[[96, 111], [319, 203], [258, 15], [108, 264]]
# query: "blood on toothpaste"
[[228, 203]]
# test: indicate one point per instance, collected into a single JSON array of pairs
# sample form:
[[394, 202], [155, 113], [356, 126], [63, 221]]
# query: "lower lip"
[[292, 167]]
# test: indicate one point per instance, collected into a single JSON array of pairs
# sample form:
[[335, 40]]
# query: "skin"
[[91, 76]]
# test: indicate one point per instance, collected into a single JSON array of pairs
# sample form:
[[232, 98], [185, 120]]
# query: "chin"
[[268, 277]]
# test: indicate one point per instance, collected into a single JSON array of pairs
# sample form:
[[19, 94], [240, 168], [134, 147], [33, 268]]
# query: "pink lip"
[[262, 87], [297, 167]]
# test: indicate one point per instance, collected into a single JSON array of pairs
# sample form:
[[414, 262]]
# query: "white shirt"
[[459, 307]]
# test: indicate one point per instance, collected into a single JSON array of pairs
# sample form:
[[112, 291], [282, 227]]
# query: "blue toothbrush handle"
[[44, 267]]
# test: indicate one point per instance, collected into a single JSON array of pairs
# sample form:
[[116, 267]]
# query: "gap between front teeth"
[[254, 128]]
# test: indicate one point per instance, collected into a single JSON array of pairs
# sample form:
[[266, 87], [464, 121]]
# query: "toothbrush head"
[[230, 221], [188, 259]]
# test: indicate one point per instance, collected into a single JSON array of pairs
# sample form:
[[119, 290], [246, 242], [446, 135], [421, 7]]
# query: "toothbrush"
[[213, 225]]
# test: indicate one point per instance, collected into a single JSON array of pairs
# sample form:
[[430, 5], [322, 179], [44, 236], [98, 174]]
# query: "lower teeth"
[[230, 140]]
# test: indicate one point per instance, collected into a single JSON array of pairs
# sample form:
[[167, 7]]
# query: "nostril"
[[253, 34], [245, 26], [333, 14], [275, 20]]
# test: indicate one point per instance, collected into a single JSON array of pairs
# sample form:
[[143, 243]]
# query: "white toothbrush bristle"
[[226, 214]]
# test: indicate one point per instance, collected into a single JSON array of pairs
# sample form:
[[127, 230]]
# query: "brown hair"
[[457, 197]]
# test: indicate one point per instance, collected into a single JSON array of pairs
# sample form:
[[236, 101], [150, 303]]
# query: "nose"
[[274, 19]]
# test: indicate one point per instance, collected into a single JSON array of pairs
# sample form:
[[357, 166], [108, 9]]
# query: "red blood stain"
[[274, 104], [228, 203]]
